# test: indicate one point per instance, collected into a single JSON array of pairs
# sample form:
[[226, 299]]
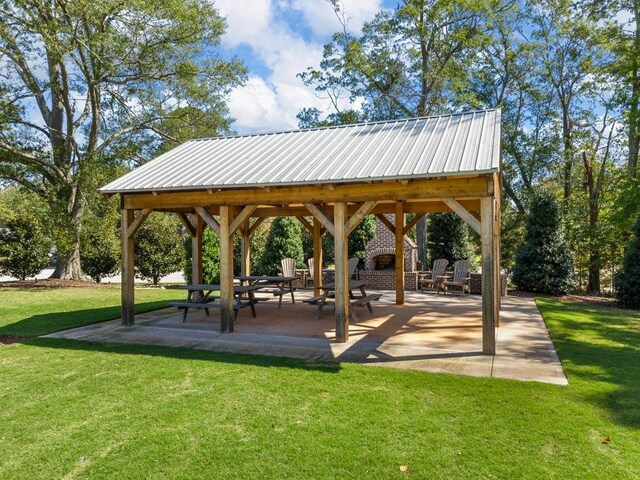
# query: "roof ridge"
[[347, 125]]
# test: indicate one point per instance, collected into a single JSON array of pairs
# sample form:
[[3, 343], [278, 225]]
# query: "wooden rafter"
[[139, 218], [322, 218], [463, 213], [385, 221], [209, 220], [357, 217], [413, 222], [187, 223], [254, 226], [305, 223], [243, 216]]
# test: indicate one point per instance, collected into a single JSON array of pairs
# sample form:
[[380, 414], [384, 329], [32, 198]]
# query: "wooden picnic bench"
[[205, 301], [282, 285], [354, 300]]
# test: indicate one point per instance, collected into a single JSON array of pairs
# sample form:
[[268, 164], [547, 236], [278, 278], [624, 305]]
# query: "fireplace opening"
[[385, 262]]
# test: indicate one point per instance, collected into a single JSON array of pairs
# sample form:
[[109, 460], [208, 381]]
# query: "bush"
[[284, 240], [544, 263], [627, 281], [210, 258], [24, 247], [100, 247], [358, 240], [448, 237], [158, 247]]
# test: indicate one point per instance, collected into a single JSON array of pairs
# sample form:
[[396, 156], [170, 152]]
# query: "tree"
[[100, 244], [210, 258], [284, 241], [158, 247], [103, 78], [628, 280], [544, 262], [448, 237], [24, 246]]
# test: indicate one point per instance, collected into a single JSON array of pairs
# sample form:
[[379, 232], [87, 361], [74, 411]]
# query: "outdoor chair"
[[352, 266], [311, 273], [288, 267], [460, 277], [431, 282]]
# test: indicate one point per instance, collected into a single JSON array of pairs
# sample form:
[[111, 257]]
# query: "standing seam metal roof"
[[458, 144]]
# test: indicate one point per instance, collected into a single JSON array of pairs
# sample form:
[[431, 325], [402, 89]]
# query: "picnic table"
[[204, 299], [354, 299], [282, 285]]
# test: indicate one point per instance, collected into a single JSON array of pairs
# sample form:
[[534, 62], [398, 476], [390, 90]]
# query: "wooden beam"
[[456, 187], [342, 276], [127, 268], [226, 271], [385, 221], [357, 217], [322, 218], [196, 251], [489, 313], [245, 244], [399, 233], [187, 223], [254, 226], [139, 218], [463, 213], [305, 223], [413, 222], [206, 216], [317, 256], [242, 217]]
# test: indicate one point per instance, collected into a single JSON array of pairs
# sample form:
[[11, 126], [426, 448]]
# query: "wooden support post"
[[489, 312], [399, 231], [127, 268], [245, 267], [226, 270], [496, 256], [317, 256], [196, 250], [342, 277]]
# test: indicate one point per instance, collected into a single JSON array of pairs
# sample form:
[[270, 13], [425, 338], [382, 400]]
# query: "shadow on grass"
[[44, 324], [599, 344], [184, 354]]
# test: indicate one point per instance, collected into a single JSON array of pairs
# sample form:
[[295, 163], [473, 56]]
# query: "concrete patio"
[[433, 333]]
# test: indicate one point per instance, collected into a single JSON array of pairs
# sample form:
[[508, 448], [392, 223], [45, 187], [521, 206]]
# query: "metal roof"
[[459, 144]]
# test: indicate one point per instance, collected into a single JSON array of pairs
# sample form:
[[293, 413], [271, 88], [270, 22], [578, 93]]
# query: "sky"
[[276, 40]]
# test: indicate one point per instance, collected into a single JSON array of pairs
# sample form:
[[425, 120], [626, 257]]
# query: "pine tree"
[[448, 237], [628, 279], [284, 241], [544, 263]]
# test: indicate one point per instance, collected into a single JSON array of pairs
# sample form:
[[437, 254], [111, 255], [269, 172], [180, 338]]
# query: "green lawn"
[[79, 410], [31, 312]]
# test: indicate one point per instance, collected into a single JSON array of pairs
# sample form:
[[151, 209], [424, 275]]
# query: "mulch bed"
[[52, 283], [8, 339]]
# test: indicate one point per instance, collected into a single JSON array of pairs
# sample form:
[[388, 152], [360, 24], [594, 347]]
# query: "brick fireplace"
[[380, 258]]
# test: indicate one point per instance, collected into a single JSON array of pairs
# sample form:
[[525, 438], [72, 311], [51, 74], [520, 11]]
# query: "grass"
[[71, 409], [32, 312]]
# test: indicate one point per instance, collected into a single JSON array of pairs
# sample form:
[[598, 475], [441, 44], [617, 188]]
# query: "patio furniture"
[[288, 267], [459, 279], [438, 270], [352, 266], [363, 299], [311, 275], [281, 284], [205, 301]]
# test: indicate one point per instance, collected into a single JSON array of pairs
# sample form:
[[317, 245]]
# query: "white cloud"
[[267, 104], [321, 18]]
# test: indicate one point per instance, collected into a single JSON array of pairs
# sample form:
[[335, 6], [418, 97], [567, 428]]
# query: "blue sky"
[[277, 39]]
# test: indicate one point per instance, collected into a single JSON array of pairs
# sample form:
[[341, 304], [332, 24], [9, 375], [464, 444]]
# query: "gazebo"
[[337, 175]]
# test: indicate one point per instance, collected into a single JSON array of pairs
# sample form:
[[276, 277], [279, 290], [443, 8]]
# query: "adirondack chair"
[[460, 277], [288, 267], [352, 266], [431, 282], [311, 273]]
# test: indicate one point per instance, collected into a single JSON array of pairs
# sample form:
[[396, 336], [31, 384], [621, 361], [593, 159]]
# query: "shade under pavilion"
[[337, 175]]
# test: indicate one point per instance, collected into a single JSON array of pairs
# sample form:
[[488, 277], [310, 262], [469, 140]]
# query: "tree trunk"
[[68, 266], [68, 240], [421, 237], [634, 107]]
